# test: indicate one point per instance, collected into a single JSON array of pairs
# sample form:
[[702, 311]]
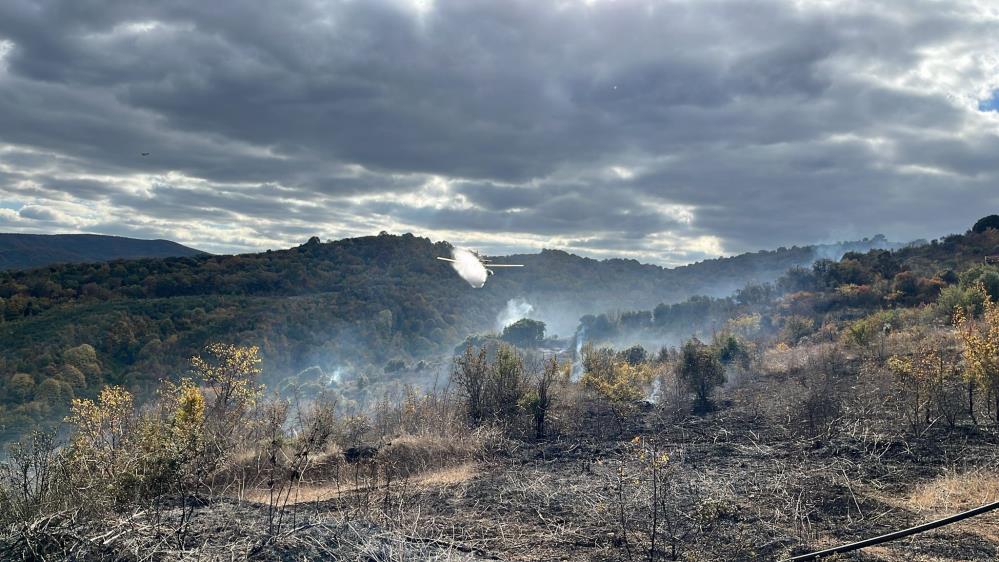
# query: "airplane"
[[472, 268]]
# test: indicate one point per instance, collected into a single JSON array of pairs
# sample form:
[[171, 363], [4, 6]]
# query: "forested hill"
[[348, 307], [26, 251]]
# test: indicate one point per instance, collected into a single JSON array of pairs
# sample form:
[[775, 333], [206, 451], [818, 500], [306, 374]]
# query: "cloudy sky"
[[666, 131]]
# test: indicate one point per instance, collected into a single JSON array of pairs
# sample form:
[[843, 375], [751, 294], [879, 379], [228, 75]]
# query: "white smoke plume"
[[577, 360], [656, 389], [515, 310], [468, 267], [336, 376]]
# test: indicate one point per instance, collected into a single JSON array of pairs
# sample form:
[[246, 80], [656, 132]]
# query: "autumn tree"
[[230, 372], [612, 377], [981, 350]]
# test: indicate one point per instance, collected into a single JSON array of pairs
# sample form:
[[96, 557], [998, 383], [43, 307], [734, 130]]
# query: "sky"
[[668, 131]]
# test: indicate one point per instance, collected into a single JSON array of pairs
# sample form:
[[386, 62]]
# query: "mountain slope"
[[348, 307], [26, 251]]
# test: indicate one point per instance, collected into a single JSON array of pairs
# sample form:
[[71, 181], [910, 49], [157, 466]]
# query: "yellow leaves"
[[621, 382], [900, 365], [981, 343], [648, 452], [190, 410], [231, 372], [105, 419]]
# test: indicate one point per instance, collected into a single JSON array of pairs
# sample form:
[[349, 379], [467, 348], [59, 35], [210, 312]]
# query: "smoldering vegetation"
[[847, 400], [371, 309]]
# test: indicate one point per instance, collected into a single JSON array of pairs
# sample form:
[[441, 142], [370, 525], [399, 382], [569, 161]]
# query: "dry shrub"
[[407, 455], [669, 393]]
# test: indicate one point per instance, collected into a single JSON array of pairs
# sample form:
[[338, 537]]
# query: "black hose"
[[897, 534]]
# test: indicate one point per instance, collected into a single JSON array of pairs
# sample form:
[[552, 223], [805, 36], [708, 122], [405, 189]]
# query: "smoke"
[[515, 310], [336, 376], [577, 360], [468, 267], [655, 390]]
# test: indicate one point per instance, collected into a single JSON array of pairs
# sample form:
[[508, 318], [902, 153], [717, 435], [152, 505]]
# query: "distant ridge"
[[28, 251]]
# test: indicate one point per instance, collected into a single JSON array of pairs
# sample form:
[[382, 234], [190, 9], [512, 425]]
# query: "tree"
[[613, 378], [634, 355], [700, 371], [21, 386], [981, 350], [525, 333], [986, 223], [231, 373], [730, 350], [102, 429]]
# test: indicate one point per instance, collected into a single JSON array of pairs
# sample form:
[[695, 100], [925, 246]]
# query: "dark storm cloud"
[[664, 130]]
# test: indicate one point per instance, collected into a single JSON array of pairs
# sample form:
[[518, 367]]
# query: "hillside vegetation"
[[845, 400], [28, 251], [336, 312]]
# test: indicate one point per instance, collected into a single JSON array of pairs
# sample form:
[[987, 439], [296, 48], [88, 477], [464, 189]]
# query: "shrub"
[[616, 381]]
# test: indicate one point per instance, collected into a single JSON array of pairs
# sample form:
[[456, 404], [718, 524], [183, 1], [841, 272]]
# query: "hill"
[[27, 251], [377, 309], [844, 400]]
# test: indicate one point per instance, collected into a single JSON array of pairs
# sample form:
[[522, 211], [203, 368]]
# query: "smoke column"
[[515, 310], [577, 362]]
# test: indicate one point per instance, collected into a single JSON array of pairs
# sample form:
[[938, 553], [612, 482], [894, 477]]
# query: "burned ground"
[[735, 487]]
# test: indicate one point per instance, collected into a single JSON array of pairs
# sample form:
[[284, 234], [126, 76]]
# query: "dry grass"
[[331, 490], [954, 492], [957, 491]]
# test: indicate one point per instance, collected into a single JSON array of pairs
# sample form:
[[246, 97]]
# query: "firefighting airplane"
[[472, 268]]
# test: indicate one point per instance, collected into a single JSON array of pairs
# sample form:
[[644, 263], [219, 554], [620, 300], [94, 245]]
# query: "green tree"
[[525, 333], [985, 223], [700, 371]]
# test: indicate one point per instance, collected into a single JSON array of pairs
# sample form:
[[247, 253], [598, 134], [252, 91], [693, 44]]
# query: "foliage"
[[952, 298], [730, 350], [613, 378], [524, 333], [700, 371], [985, 275], [470, 372], [230, 372], [917, 378], [981, 348], [352, 305], [986, 223]]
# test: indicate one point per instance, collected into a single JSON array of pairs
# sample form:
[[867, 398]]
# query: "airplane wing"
[[445, 259]]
